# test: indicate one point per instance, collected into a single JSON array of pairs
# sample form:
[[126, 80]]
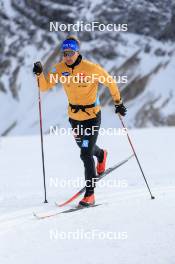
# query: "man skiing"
[[84, 106]]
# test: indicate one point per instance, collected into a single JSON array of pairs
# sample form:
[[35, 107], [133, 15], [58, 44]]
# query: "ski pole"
[[152, 197], [42, 148]]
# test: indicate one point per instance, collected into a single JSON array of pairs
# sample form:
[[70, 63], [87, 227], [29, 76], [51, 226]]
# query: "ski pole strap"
[[76, 108]]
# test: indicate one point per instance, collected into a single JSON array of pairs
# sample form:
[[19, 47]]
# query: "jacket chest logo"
[[65, 73]]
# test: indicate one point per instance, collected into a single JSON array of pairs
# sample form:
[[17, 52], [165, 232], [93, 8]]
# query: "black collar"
[[78, 60]]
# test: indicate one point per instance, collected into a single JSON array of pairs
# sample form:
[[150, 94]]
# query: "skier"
[[84, 106]]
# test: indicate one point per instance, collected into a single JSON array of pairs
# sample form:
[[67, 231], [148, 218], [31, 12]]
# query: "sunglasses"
[[68, 53]]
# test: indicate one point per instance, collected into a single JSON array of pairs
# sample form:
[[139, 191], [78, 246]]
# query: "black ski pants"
[[86, 133]]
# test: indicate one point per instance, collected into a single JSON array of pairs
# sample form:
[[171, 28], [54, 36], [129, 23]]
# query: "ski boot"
[[101, 166], [87, 201]]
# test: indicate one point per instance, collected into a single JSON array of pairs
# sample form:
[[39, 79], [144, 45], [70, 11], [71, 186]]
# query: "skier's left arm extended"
[[105, 78]]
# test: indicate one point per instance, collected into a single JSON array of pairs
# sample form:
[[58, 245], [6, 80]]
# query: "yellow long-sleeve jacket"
[[81, 86]]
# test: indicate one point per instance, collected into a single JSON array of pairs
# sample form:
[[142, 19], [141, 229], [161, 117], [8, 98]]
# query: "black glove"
[[37, 68], [121, 109]]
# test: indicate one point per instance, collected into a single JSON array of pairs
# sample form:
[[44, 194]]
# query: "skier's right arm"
[[44, 83]]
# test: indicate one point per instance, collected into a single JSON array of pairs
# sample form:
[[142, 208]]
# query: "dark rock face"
[[151, 18]]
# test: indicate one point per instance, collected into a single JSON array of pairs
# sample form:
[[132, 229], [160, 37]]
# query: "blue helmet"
[[70, 44]]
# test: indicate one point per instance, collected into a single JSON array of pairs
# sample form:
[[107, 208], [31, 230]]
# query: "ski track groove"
[[25, 216]]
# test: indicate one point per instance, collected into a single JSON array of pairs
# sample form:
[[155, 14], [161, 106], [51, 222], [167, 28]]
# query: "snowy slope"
[[144, 228]]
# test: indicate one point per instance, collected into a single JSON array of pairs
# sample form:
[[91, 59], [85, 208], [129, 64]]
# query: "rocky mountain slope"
[[145, 54]]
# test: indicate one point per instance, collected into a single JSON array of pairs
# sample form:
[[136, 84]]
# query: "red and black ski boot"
[[101, 166], [88, 200]]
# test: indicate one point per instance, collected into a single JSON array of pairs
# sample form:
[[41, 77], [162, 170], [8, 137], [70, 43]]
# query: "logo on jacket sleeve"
[[54, 70]]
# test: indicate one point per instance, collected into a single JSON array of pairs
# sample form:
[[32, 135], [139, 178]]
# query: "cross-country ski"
[[99, 177], [66, 211]]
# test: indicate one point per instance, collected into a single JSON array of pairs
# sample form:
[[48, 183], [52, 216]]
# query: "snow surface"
[[127, 209]]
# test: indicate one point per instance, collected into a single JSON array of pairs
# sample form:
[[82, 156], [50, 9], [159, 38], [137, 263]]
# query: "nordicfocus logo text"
[[79, 131], [65, 78], [82, 234], [92, 26]]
